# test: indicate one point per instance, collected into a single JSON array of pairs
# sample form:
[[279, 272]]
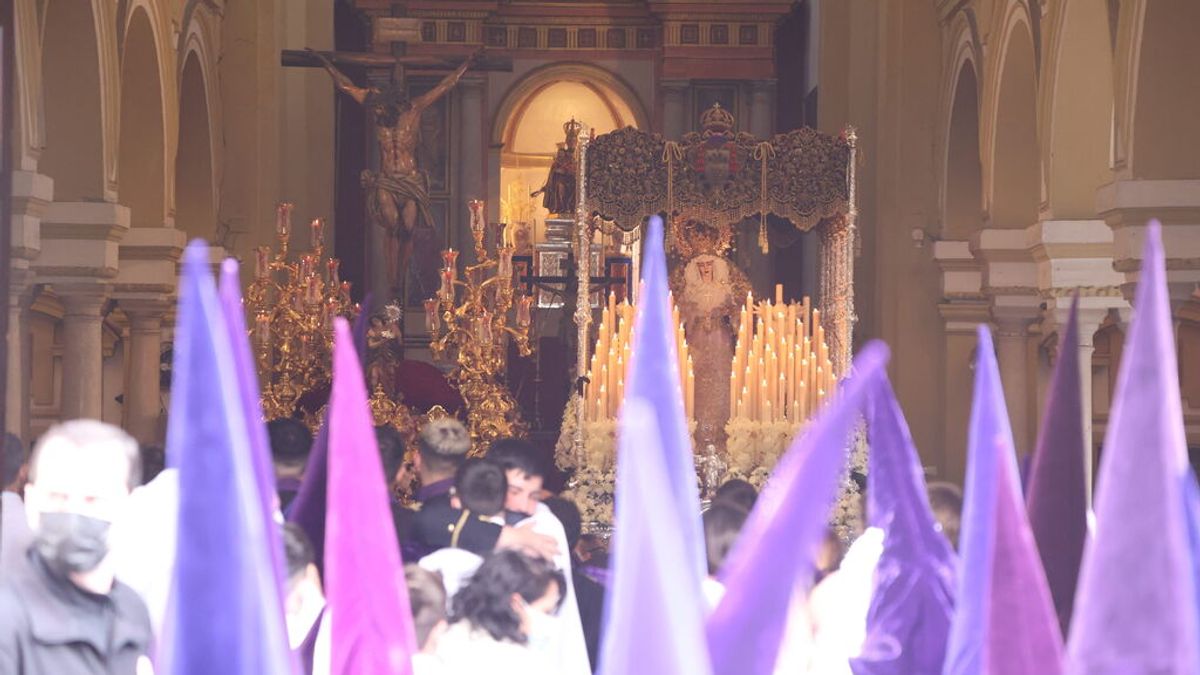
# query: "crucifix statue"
[[397, 196]]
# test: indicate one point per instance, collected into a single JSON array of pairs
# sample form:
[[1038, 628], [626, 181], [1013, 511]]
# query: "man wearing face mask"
[[63, 612]]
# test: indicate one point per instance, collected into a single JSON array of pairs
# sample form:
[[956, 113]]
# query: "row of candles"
[[605, 388], [781, 369]]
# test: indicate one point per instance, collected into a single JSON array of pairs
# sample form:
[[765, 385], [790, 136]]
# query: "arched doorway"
[[141, 165], [74, 152], [195, 208], [963, 197], [529, 129]]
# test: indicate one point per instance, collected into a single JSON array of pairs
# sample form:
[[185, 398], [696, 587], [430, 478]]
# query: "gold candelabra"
[[293, 304], [469, 326]]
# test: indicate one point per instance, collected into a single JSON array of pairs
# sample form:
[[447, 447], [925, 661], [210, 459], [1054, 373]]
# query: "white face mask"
[[544, 629]]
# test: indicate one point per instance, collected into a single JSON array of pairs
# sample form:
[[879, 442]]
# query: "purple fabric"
[[368, 605], [434, 489], [778, 541], [1136, 606], [653, 375], [308, 509], [1004, 621], [225, 614], [913, 599], [229, 290], [1057, 494], [655, 616]]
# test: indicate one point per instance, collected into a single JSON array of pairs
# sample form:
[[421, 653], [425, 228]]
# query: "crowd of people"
[[221, 563], [500, 576]]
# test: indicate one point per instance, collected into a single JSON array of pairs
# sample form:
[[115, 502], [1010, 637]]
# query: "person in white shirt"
[[525, 470], [501, 620]]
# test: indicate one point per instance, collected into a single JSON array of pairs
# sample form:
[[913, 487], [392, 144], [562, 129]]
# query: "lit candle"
[[450, 259], [475, 207], [335, 275], [283, 219], [690, 390], [446, 291], [262, 328], [312, 290], [431, 316], [318, 231], [262, 262], [504, 265], [524, 310], [344, 291], [331, 312]]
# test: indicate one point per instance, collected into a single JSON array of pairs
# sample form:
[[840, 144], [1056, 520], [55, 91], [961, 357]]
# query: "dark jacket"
[[437, 525], [50, 626]]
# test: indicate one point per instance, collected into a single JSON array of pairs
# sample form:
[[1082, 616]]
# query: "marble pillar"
[[82, 385], [142, 401], [674, 108], [1012, 352]]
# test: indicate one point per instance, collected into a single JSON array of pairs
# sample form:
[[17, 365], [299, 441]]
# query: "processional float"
[[788, 356]]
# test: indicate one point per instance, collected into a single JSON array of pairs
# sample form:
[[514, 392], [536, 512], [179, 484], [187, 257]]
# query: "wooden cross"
[[398, 31]]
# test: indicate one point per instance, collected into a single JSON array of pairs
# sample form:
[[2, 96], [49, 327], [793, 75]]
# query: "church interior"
[[475, 176]]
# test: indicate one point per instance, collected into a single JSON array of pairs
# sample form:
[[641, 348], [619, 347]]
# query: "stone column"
[[675, 108], [31, 192], [963, 307], [1012, 352], [20, 358], [472, 153], [82, 383], [762, 108], [142, 402]]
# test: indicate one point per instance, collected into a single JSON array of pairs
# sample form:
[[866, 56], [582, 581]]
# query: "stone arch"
[[73, 102], [27, 106], [1078, 109], [1166, 92], [1013, 183], [604, 83], [962, 199], [195, 208], [142, 155], [528, 122]]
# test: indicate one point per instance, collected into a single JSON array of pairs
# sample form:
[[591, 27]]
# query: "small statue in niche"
[[384, 340], [558, 194]]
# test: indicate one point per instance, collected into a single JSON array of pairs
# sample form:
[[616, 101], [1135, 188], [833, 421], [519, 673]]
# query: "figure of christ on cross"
[[398, 194]]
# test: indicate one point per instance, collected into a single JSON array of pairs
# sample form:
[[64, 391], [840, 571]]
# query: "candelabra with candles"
[[469, 326], [603, 393], [780, 376], [293, 304]]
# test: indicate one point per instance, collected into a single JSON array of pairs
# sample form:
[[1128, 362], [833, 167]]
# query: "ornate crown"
[[572, 128], [691, 237], [716, 119]]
